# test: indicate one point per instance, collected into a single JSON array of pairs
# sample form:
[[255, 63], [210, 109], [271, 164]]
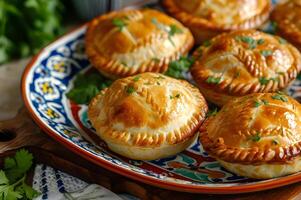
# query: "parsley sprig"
[[178, 68], [86, 87], [13, 175]]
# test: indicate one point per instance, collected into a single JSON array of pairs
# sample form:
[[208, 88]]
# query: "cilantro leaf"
[[207, 43], [11, 187], [86, 87], [16, 167], [177, 68]]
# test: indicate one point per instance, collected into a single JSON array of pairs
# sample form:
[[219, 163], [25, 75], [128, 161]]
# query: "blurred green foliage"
[[28, 25]]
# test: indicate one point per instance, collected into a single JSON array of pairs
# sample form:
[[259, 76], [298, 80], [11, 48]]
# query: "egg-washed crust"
[[114, 106], [235, 139], [191, 20], [115, 68], [255, 74], [286, 16]]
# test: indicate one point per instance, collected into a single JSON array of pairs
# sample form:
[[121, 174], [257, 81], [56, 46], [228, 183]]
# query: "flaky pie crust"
[[243, 62], [149, 110], [287, 17], [143, 42], [261, 128], [202, 18]]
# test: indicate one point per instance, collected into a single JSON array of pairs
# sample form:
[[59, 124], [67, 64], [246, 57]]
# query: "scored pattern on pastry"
[[244, 62], [134, 41], [257, 128], [148, 110], [225, 14], [287, 18]]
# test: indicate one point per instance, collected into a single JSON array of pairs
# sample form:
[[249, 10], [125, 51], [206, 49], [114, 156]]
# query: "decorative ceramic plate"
[[50, 75]]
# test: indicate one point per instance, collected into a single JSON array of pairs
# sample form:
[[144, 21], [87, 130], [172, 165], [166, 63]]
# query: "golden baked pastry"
[[148, 116], [243, 62], [207, 19], [288, 24], [129, 42], [257, 136]]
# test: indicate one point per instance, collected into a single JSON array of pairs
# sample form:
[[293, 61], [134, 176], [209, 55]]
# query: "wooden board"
[[21, 132]]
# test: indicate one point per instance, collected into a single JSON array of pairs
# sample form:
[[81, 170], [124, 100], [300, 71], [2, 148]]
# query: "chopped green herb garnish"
[[280, 96], [174, 30], [136, 78], [158, 83], [263, 80], [124, 63], [260, 41], [13, 175], [130, 89], [266, 53], [119, 23], [257, 104], [282, 41], [212, 112], [86, 87], [256, 137], [248, 40], [275, 142], [207, 43], [176, 96], [213, 80], [178, 68]]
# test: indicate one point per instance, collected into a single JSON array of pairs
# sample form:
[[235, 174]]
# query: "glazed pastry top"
[[133, 37], [243, 62], [287, 17], [220, 12], [256, 127], [149, 109]]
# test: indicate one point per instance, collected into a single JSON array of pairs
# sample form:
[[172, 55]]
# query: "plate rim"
[[234, 189]]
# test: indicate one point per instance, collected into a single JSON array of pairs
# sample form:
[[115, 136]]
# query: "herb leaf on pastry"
[[124, 43]]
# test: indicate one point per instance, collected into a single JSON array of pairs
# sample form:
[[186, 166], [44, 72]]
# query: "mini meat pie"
[[257, 136], [287, 17], [148, 116], [129, 42], [207, 19], [243, 62]]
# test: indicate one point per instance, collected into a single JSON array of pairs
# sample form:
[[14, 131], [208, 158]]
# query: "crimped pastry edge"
[[113, 69], [246, 156]]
